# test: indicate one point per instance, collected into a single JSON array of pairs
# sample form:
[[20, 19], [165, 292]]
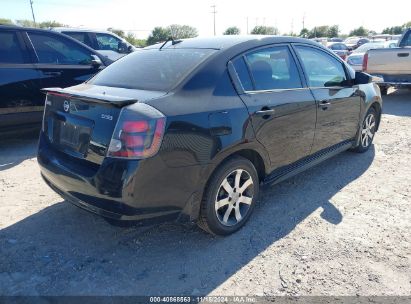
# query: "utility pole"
[[304, 21], [247, 26], [214, 12], [32, 12]]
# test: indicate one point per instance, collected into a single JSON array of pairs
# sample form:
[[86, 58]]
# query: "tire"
[[235, 185], [367, 131]]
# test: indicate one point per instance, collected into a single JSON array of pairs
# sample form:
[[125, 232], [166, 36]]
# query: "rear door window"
[[151, 69], [10, 48], [243, 74], [274, 68], [53, 49], [80, 36]]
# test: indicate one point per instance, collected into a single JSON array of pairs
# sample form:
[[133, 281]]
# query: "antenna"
[[214, 12]]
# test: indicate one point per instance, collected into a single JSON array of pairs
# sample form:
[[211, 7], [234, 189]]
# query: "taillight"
[[365, 62], [138, 133]]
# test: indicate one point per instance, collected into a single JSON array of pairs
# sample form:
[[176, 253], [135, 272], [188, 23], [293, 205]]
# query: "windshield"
[[151, 69], [368, 46]]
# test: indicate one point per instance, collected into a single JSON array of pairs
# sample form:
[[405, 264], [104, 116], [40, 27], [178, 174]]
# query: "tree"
[[182, 31], [407, 25], [333, 31], [319, 31], [26, 23], [5, 21], [176, 31], [361, 31], [132, 39], [304, 33], [264, 30], [232, 30], [48, 24], [394, 30], [117, 32], [157, 35]]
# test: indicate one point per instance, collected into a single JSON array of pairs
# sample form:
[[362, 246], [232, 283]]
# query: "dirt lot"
[[341, 228]]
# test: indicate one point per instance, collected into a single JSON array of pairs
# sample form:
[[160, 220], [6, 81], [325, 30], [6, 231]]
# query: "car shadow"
[[397, 103], [17, 148], [63, 250]]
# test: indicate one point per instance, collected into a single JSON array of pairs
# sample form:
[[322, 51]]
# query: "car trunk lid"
[[79, 121]]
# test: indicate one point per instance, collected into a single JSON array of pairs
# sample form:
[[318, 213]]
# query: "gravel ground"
[[341, 228]]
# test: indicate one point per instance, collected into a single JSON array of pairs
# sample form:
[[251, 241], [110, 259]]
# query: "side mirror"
[[130, 49], [364, 78], [122, 47], [96, 61]]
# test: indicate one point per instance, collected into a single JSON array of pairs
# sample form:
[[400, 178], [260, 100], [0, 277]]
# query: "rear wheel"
[[230, 197], [367, 131]]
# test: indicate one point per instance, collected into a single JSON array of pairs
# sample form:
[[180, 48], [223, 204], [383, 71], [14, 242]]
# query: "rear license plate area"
[[71, 137]]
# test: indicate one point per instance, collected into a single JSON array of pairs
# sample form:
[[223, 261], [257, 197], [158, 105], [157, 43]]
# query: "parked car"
[[355, 60], [354, 42], [321, 40], [188, 130], [31, 59], [391, 65], [104, 42], [336, 39], [339, 48]]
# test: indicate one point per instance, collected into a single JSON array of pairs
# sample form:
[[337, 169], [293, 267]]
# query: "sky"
[[141, 16]]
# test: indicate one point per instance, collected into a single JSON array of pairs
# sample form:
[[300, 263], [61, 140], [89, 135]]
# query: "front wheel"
[[229, 197], [367, 131]]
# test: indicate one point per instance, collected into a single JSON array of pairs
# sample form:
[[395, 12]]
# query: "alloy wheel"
[[234, 197], [368, 130]]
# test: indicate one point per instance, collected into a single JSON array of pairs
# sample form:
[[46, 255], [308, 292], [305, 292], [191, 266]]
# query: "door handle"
[[324, 104], [53, 73], [403, 54], [264, 112]]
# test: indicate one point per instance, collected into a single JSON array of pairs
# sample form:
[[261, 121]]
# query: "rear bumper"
[[394, 80], [121, 189]]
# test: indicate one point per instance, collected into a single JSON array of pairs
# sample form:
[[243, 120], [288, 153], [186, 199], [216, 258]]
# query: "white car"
[[106, 43], [356, 58]]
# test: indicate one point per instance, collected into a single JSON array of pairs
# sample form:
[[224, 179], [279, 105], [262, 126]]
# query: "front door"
[[338, 103], [282, 111], [21, 102], [61, 61]]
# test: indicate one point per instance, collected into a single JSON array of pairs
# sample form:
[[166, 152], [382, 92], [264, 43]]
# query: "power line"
[[214, 12]]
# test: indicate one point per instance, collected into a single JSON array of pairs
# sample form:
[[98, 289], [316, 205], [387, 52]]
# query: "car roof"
[[228, 41], [24, 28], [74, 29]]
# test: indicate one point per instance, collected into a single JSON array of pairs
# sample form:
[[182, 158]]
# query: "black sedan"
[[188, 130]]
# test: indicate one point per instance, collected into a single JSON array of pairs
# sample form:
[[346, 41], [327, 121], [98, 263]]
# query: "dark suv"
[[188, 130], [31, 59]]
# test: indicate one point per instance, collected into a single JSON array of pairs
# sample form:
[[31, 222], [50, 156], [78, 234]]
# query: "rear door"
[[338, 102], [83, 37], [20, 99], [61, 61], [282, 109]]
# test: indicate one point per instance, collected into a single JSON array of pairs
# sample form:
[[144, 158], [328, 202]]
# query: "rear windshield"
[[151, 69]]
